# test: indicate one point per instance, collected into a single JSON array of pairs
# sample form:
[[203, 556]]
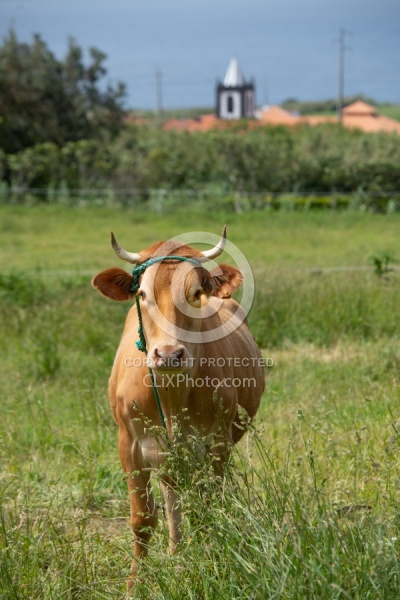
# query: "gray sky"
[[290, 47]]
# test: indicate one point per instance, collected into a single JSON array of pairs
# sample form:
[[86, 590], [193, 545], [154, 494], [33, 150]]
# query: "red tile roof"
[[203, 123], [357, 115], [275, 115], [360, 108], [371, 124]]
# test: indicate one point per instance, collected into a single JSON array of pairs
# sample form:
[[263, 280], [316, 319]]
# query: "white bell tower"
[[235, 96]]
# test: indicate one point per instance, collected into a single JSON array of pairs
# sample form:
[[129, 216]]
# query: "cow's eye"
[[197, 295]]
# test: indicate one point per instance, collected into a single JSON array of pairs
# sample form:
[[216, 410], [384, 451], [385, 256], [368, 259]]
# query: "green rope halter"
[[141, 343]]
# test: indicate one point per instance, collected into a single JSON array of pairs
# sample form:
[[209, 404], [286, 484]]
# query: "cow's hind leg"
[[240, 424], [143, 516], [173, 514]]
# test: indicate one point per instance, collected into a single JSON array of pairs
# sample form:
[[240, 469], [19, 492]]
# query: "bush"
[[306, 162]]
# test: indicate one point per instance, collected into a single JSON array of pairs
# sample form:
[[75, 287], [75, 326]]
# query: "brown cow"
[[198, 345]]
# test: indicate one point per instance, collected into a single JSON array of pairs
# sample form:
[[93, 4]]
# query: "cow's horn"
[[218, 249], [131, 257]]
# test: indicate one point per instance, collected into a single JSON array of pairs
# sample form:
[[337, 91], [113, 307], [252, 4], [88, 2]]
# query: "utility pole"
[[266, 91], [159, 95], [342, 49]]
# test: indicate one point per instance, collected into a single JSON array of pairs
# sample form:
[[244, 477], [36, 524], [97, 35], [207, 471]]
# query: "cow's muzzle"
[[169, 358]]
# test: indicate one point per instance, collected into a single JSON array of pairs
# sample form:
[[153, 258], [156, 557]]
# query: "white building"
[[235, 96]]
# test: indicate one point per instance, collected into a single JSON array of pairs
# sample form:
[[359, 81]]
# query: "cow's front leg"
[[143, 508], [174, 515]]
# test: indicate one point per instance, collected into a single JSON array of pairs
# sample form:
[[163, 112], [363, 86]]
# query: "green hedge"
[[319, 165]]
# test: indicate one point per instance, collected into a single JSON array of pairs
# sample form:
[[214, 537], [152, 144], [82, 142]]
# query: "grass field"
[[311, 509]]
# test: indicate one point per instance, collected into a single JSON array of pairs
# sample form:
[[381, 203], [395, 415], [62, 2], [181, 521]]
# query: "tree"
[[43, 99]]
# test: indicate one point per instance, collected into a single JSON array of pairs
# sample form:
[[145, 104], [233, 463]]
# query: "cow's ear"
[[114, 284], [225, 280]]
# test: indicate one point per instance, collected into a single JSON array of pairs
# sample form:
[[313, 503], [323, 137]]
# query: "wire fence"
[[161, 201], [71, 273]]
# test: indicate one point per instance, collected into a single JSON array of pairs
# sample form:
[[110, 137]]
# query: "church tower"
[[235, 96]]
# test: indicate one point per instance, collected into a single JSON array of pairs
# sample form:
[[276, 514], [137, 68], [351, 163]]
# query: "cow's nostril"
[[169, 356]]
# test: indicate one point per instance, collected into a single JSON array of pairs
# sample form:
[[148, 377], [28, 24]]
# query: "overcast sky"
[[290, 47]]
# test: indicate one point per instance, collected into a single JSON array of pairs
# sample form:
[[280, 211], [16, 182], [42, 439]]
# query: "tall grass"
[[309, 507], [325, 307], [283, 527]]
